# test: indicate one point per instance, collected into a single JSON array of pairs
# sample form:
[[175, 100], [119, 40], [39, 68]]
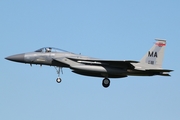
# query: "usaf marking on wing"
[[149, 65]]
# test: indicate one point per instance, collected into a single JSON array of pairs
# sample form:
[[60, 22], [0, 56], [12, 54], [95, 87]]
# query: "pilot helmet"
[[48, 49]]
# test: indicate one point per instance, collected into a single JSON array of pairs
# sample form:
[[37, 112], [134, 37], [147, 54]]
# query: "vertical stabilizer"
[[154, 57]]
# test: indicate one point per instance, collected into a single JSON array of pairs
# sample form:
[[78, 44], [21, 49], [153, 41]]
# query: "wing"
[[113, 63], [71, 61]]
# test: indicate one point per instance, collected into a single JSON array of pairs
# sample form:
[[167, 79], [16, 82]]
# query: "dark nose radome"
[[16, 58]]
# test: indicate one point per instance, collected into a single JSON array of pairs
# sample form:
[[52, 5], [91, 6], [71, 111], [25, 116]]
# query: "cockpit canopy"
[[50, 49]]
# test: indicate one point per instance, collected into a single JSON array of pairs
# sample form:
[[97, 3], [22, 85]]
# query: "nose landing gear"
[[58, 80], [58, 70]]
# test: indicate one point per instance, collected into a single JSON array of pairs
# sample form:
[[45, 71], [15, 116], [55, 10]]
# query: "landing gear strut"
[[106, 82], [58, 70]]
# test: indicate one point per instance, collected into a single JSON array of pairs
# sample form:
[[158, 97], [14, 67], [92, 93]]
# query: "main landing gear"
[[106, 82], [58, 70]]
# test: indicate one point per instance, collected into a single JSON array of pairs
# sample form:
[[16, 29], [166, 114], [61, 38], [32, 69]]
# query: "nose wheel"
[[58, 70], [58, 80], [106, 82]]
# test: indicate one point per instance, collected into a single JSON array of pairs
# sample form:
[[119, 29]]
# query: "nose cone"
[[16, 58]]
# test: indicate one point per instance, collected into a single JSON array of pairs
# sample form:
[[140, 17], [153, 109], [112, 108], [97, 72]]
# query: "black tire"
[[58, 80], [106, 82]]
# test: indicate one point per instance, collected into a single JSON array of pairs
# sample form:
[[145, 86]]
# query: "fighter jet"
[[149, 65]]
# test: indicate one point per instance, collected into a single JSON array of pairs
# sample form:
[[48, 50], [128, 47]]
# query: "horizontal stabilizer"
[[165, 75], [162, 72], [159, 70]]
